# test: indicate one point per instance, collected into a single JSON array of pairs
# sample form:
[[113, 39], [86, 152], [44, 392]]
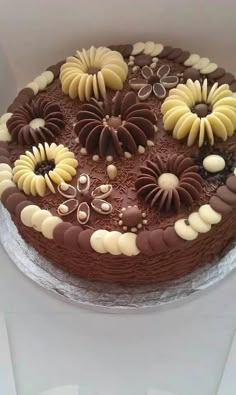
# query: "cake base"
[[104, 297]]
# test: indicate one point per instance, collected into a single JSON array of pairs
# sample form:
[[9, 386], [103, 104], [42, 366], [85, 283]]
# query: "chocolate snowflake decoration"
[[36, 122], [132, 219], [154, 82], [86, 199], [115, 129], [166, 185]]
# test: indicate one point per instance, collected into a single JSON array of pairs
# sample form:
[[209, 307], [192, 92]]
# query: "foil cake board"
[[104, 297]]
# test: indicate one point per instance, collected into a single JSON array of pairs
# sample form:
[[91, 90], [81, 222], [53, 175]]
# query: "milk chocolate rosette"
[[167, 185], [36, 122], [115, 129]]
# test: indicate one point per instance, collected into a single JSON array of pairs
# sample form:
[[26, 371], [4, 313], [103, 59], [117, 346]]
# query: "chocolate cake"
[[118, 164]]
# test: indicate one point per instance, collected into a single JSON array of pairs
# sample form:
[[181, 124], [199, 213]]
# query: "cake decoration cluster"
[[91, 72], [132, 218]]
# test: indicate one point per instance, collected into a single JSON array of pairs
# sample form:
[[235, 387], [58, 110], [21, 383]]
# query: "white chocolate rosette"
[[46, 165], [91, 71], [193, 111]]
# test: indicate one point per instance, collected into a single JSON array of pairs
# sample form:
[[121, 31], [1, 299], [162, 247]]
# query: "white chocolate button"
[[214, 163], [209, 215], [38, 217], [5, 175], [127, 244], [193, 59], [209, 68], [4, 134], [48, 75], [201, 64], [168, 181], [197, 223], [37, 123], [41, 81], [6, 184], [27, 214], [34, 86], [4, 118], [96, 241], [138, 48], [110, 242], [186, 232], [157, 49], [48, 226], [149, 47], [111, 172], [5, 166]]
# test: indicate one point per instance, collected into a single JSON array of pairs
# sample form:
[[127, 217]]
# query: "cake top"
[[122, 144]]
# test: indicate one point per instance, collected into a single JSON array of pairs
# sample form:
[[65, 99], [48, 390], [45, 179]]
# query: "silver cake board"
[[104, 297]]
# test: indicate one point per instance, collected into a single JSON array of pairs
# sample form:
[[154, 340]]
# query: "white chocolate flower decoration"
[[91, 71], [46, 164], [192, 111]]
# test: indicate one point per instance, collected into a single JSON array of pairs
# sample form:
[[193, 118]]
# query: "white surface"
[[228, 382], [183, 349], [7, 382]]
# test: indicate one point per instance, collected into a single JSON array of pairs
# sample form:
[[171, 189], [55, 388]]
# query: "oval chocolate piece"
[[101, 206], [83, 213], [67, 190], [102, 191], [83, 183], [67, 207]]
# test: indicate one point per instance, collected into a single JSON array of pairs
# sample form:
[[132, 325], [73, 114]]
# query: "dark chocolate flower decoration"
[[115, 129], [168, 184], [36, 122], [87, 200], [155, 82]]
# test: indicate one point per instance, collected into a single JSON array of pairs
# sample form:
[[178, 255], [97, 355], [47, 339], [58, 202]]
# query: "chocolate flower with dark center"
[[36, 122], [115, 128], [168, 184], [155, 82]]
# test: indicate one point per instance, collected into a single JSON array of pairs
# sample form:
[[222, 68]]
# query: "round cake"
[[118, 164]]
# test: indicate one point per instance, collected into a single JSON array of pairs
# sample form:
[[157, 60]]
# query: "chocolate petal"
[[84, 208], [147, 171], [145, 92], [163, 71], [104, 141], [142, 114], [107, 106], [88, 115], [146, 72], [163, 200], [159, 90], [192, 175], [27, 135], [134, 107], [144, 124], [137, 134], [35, 136], [191, 169], [191, 189], [102, 192], [168, 201], [157, 168], [116, 143], [83, 186], [56, 121], [96, 109], [146, 189], [176, 199], [170, 81], [58, 116], [98, 205], [126, 139], [92, 140], [117, 104], [158, 194], [53, 128], [128, 102], [69, 193], [197, 185], [83, 128], [184, 196], [185, 164], [137, 83], [142, 181], [71, 205], [170, 166], [52, 108], [155, 193]]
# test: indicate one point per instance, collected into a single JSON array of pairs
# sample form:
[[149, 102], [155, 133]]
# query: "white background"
[[182, 349]]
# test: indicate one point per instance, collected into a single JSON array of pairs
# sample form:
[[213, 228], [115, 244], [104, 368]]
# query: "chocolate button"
[[55, 69], [14, 200], [20, 206], [219, 206], [233, 86], [218, 73], [183, 57], [28, 92], [226, 195], [143, 60], [231, 183], [127, 50], [143, 244], [8, 192], [226, 79], [165, 52], [191, 74], [175, 52], [171, 238], [4, 152], [157, 241], [84, 240], [59, 232], [4, 159], [71, 237]]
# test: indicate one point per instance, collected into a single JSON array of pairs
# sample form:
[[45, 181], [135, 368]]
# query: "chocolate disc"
[[219, 206], [231, 183], [8, 192], [13, 200], [172, 239], [143, 243], [20, 206], [4, 159], [84, 240], [59, 232], [71, 237]]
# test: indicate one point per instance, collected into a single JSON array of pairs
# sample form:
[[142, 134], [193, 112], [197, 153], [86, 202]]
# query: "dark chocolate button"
[[27, 92], [191, 74], [218, 73], [175, 52], [20, 206], [231, 183], [71, 237], [156, 240], [4, 159], [127, 50], [4, 152], [226, 195], [233, 86], [59, 232], [143, 244], [84, 240], [172, 239], [183, 57], [219, 206], [13, 200], [143, 60], [165, 52], [226, 79], [8, 192]]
